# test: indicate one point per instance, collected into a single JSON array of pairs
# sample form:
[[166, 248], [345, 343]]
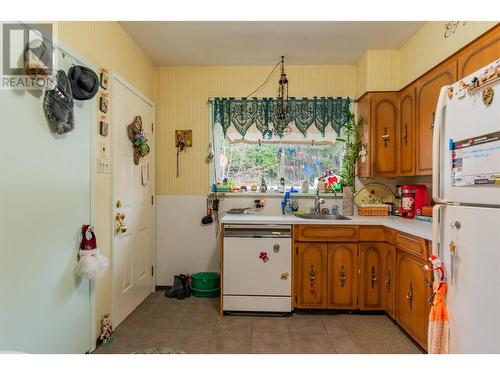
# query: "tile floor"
[[194, 326]]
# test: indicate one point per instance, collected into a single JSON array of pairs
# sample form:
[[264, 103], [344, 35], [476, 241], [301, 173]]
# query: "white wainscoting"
[[184, 245]]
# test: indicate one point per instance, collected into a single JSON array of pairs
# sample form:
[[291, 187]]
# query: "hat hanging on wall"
[[84, 82], [37, 58], [58, 105]]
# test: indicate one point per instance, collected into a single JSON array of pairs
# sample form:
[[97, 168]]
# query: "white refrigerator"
[[466, 217]]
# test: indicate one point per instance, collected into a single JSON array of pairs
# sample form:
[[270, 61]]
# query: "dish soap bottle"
[[305, 187]]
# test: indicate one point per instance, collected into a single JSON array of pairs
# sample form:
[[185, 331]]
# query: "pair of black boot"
[[180, 289]]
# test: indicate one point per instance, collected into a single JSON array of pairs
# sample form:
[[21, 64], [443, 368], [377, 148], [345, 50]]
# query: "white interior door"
[[45, 197], [473, 297], [133, 249]]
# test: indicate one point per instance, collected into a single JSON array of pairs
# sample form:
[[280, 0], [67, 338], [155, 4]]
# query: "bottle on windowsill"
[[282, 185]]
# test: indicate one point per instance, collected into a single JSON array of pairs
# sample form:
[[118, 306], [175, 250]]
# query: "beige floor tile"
[[333, 324], [266, 342], [270, 324], [190, 341], [311, 343], [343, 343], [235, 341], [306, 324], [234, 322], [198, 321]]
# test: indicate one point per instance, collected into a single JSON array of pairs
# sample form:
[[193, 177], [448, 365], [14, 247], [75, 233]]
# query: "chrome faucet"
[[318, 202]]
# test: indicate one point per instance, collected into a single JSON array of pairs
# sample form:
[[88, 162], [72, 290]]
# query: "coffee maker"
[[413, 198]]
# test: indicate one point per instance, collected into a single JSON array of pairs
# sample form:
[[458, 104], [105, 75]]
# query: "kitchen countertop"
[[410, 226]]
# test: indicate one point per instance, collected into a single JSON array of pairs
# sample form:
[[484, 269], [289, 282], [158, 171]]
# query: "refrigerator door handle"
[[436, 147], [436, 213]]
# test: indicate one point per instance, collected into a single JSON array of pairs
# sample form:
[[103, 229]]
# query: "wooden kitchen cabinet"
[[384, 122], [412, 294], [311, 275], [371, 265], [407, 131], [390, 280], [342, 275], [482, 52], [428, 88]]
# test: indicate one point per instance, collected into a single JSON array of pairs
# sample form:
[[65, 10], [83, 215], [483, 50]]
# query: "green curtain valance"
[[302, 112]]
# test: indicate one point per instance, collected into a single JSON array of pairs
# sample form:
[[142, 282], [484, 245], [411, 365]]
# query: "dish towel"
[[438, 337]]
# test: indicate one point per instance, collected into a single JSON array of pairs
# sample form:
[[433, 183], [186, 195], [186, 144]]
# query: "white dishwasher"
[[257, 268]]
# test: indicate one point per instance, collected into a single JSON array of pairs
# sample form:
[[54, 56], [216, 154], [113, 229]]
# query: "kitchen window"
[[244, 161]]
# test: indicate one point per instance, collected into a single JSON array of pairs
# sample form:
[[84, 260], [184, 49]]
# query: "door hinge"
[[152, 270], [296, 299], [152, 127], [152, 200], [296, 252]]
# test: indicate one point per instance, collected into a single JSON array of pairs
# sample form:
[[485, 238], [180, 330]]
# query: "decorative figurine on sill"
[[305, 187], [253, 187], [263, 186], [282, 185]]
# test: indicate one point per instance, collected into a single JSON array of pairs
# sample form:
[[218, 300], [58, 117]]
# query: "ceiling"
[[262, 42]]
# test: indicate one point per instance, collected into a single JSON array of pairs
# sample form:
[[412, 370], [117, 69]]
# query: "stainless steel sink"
[[322, 217]]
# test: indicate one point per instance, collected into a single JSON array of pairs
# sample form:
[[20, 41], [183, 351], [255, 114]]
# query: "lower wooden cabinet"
[[371, 265], [412, 294], [390, 280], [342, 275], [311, 275]]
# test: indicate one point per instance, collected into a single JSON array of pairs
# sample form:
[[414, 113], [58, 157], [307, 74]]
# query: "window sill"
[[274, 194]]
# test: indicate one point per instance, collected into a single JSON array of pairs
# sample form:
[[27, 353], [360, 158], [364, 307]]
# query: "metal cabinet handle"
[[388, 279], [405, 134], [342, 276], [373, 277], [431, 125], [276, 247], [386, 137], [409, 295]]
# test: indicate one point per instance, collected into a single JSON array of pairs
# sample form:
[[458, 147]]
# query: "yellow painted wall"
[[181, 97], [428, 47], [107, 45], [387, 70], [377, 70]]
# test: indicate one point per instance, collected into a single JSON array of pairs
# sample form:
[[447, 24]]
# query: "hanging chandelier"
[[282, 104]]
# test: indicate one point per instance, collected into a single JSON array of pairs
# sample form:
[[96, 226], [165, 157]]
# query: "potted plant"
[[352, 139]]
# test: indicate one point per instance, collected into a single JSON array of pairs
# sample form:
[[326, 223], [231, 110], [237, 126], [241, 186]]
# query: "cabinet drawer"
[[411, 244], [372, 234], [327, 233]]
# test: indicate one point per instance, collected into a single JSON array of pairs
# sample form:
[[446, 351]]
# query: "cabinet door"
[[407, 132], [342, 275], [412, 293], [371, 276], [480, 53], [312, 275], [384, 123], [428, 87], [364, 165], [390, 280]]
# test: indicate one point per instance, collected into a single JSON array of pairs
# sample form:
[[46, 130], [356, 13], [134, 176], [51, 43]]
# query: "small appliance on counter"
[[396, 207], [413, 198]]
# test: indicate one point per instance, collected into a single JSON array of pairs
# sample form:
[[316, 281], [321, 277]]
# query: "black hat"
[[58, 106], [84, 82]]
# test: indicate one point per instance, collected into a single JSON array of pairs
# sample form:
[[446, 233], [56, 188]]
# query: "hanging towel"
[[438, 337]]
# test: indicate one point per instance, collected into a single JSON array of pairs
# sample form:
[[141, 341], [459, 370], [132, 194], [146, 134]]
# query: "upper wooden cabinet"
[[384, 120], [342, 275], [311, 275], [407, 131], [428, 88], [483, 51], [379, 112]]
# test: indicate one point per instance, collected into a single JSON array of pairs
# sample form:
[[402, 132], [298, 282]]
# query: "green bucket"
[[205, 284]]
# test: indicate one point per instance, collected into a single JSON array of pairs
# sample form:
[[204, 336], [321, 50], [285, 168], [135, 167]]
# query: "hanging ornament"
[[91, 263]]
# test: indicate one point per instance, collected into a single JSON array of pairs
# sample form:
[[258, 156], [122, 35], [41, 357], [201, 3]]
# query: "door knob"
[[120, 223]]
